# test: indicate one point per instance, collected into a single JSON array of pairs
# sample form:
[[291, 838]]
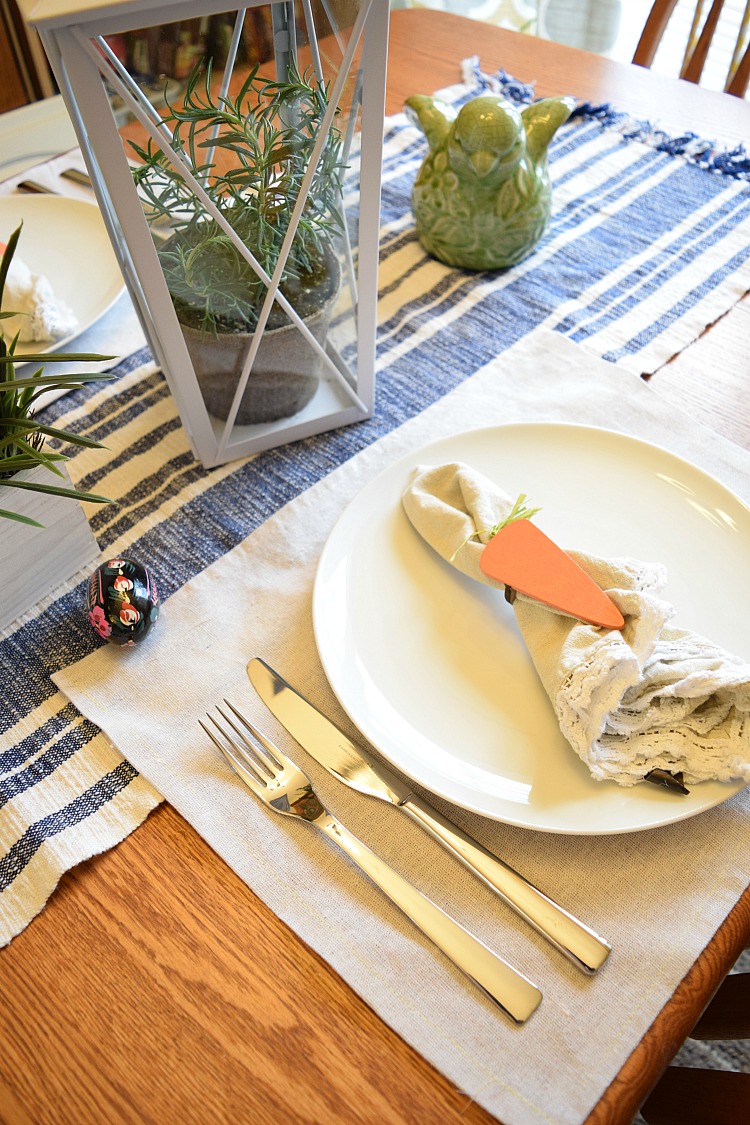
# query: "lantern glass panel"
[[242, 133]]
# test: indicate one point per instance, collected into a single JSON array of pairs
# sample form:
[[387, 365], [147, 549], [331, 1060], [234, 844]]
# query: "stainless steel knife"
[[358, 769]]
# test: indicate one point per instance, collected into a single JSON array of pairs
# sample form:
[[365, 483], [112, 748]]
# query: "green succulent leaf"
[[63, 357], [8, 515], [23, 460], [7, 258], [43, 383], [22, 435], [70, 437], [55, 490]]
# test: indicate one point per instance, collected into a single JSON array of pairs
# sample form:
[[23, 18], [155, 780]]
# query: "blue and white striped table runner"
[[649, 243]]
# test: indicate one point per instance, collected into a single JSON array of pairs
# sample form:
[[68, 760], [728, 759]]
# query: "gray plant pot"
[[285, 374]]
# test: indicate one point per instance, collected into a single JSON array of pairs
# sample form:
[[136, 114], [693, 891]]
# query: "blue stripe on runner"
[[608, 195], [684, 252], [132, 408], [602, 153], [18, 755], [647, 334], [734, 208], [133, 362], [19, 855], [147, 497], [37, 649], [151, 390], [430, 301], [109, 406], [78, 733], [576, 136], [145, 442]]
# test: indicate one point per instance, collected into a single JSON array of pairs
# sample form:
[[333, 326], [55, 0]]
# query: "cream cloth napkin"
[[39, 313], [649, 696], [658, 895]]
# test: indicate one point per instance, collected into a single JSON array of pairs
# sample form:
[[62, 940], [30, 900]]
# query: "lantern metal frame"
[[74, 34]]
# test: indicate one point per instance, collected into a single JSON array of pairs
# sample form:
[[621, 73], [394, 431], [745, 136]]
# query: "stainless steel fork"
[[283, 787]]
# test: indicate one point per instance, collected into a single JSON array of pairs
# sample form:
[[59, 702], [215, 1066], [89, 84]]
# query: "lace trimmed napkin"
[[39, 313], [649, 696]]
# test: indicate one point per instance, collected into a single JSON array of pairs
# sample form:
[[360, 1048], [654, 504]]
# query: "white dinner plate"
[[66, 241], [431, 666]]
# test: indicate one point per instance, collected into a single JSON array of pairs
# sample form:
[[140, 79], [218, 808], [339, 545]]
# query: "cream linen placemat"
[[658, 895]]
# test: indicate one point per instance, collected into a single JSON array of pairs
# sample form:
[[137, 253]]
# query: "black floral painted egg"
[[122, 602]]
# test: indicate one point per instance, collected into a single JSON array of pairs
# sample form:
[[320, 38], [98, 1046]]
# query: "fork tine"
[[247, 751], [268, 754], [242, 765]]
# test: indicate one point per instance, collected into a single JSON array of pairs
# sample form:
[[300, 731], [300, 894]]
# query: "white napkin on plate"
[[40, 315], [649, 696]]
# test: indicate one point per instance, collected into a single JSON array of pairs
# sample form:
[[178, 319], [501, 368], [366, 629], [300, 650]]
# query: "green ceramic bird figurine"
[[482, 198]]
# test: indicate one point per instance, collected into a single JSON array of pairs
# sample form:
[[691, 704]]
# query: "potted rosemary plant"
[[249, 152], [45, 538]]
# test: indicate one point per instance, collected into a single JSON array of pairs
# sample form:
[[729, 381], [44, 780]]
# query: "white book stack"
[[35, 561]]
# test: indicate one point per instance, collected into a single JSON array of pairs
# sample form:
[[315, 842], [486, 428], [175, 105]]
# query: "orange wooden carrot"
[[529, 562]]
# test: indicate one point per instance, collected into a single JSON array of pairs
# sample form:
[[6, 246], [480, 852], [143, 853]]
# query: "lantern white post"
[[73, 33]]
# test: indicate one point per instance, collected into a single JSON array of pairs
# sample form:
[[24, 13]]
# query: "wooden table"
[[138, 996]]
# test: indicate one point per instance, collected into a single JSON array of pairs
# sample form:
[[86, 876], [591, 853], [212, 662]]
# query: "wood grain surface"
[[156, 988], [436, 44]]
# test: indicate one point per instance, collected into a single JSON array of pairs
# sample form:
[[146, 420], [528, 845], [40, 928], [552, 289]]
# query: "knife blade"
[[360, 770]]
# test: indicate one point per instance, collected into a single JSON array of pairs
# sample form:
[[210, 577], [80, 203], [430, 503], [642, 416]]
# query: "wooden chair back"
[[702, 32], [695, 1096]]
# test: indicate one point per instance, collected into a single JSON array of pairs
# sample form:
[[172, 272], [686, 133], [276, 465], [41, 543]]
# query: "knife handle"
[[580, 944], [512, 991]]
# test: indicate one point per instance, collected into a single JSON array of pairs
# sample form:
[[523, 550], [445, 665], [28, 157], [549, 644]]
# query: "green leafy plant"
[[267, 133], [22, 435]]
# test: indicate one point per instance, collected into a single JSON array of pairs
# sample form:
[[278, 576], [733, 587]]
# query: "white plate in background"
[[66, 241]]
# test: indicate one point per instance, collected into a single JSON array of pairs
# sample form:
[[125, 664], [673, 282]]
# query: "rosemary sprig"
[[269, 129]]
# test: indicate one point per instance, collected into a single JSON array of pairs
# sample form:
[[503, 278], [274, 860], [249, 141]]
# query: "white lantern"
[[236, 158]]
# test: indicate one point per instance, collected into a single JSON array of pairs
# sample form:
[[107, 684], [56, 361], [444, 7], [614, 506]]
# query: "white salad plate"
[[431, 666], [64, 240]]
